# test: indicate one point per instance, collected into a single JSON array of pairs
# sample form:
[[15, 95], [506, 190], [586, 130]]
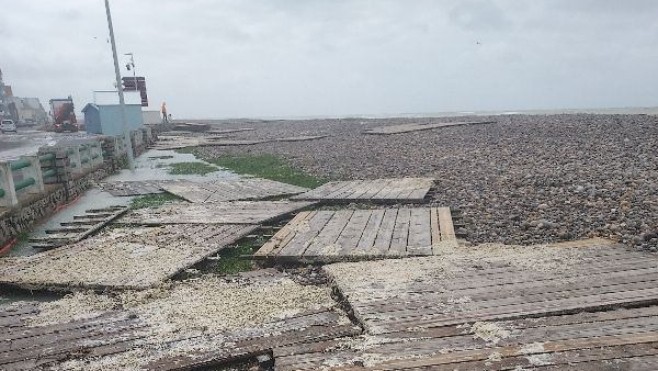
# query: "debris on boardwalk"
[[377, 190], [80, 228], [301, 138], [230, 189], [497, 307], [407, 128], [330, 235], [233, 212], [198, 322], [178, 141], [131, 188], [122, 258]]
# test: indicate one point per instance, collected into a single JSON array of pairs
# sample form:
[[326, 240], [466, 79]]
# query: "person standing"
[[163, 110]]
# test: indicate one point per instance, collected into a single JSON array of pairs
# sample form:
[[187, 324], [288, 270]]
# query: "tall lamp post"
[[122, 101]]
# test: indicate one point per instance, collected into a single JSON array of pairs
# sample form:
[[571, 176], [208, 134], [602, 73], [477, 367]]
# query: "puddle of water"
[[14, 296], [153, 165], [93, 198]]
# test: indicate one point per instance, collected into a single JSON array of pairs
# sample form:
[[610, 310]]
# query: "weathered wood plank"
[[351, 234], [284, 235], [306, 232], [385, 233], [325, 242], [445, 220], [370, 231], [400, 233], [420, 232]]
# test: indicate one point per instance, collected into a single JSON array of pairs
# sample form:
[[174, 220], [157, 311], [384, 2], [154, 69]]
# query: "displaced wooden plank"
[[380, 190], [385, 233], [447, 228], [230, 189], [325, 242], [399, 240], [351, 234], [233, 212], [420, 232], [306, 232], [407, 128], [370, 231], [121, 259], [284, 234]]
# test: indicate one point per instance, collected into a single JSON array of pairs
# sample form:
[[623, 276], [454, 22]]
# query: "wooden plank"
[[370, 231], [351, 234], [284, 234], [607, 281], [232, 212], [561, 306], [305, 234], [325, 242], [420, 233], [436, 231], [445, 220], [400, 233], [510, 351], [385, 232], [375, 187]]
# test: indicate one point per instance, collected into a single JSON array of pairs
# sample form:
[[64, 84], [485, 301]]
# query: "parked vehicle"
[[63, 113], [7, 126]]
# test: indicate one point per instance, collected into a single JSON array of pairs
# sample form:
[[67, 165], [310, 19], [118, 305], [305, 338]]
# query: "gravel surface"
[[523, 180]]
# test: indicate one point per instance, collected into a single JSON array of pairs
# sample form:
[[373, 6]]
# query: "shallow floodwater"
[[151, 165]]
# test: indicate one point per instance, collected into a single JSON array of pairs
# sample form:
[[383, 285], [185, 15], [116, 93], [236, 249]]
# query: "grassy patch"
[[268, 167], [189, 168], [230, 261], [152, 200]]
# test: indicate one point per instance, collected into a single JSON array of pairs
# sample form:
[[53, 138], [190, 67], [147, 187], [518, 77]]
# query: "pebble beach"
[[524, 179]]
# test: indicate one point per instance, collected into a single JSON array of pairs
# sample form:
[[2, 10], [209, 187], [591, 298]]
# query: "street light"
[[122, 101], [131, 66]]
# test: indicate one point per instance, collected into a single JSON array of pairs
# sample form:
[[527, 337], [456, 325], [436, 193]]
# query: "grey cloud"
[[218, 58]]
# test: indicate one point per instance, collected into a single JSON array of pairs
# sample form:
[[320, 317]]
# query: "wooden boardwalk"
[[378, 190], [131, 188], [230, 189], [178, 142], [233, 212], [407, 128], [80, 228], [135, 339], [361, 234], [128, 258], [471, 310]]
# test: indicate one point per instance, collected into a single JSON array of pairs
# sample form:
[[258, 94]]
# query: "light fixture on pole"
[[122, 101], [131, 66]]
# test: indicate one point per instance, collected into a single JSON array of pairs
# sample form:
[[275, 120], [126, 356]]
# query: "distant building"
[[106, 118], [28, 111]]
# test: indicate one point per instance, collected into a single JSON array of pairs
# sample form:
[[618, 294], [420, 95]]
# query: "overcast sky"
[[260, 58]]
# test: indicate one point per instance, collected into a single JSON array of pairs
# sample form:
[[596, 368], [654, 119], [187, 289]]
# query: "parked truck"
[[63, 113]]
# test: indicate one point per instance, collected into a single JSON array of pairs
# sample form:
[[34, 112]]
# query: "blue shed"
[[106, 119]]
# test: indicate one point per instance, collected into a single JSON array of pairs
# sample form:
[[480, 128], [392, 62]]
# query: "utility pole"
[[122, 101]]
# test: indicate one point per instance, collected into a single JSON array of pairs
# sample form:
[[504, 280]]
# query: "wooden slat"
[[325, 242], [445, 220], [420, 233], [284, 234], [351, 234], [385, 233], [306, 233], [370, 231], [400, 233]]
